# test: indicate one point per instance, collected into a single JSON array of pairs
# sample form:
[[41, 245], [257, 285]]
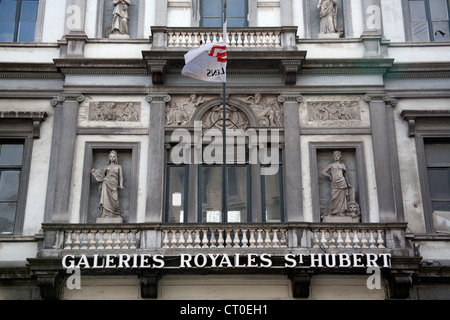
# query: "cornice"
[[419, 70], [346, 66], [29, 71]]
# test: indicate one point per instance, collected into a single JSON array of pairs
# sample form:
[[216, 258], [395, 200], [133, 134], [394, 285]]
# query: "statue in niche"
[[342, 202], [120, 19], [110, 181], [328, 13]]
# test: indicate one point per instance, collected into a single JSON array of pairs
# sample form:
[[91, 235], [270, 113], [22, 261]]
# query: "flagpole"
[[224, 145]]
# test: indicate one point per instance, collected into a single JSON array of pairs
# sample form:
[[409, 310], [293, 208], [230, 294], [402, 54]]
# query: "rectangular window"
[[272, 197], [437, 154], [18, 20], [11, 158], [429, 20], [238, 195], [212, 13], [176, 193]]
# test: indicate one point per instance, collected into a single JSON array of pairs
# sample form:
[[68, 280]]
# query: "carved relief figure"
[[342, 201], [120, 17], [334, 111], [110, 181], [268, 112], [114, 111], [328, 11], [180, 113]]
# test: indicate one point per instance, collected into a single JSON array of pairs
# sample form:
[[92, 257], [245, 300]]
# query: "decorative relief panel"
[[114, 111], [266, 109], [334, 112]]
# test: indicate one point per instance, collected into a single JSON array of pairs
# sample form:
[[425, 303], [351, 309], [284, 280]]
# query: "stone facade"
[[370, 92]]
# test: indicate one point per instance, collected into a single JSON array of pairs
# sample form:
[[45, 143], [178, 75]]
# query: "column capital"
[[381, 97], [290, 97], [158, 97], [78, 97]]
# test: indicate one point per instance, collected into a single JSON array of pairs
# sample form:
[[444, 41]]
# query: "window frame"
[[38, 25], [407, 20], [245, 17], [185, 190]]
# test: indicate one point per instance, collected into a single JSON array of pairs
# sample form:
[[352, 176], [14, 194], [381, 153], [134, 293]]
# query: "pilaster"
[[292, 159], [155, 178], [62, 155], [385, 156]]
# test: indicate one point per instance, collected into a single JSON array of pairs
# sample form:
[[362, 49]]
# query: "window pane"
[[29, 10], [211, 22], [237, 194], [211, 194], [212, 8], [26, 31], [417, 9], [7, 217], [175, 210], [438, 9], [437, 152], [6, 31], [420, 31], [272, 197], [236, 8], [11, 154], [439, 180], [9, 185], [441, 205], [8, 10], [441, 31]]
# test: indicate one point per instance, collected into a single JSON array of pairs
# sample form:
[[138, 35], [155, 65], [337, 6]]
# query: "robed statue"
[[110, 181], [328, 13], [120, 17], [342, 202]]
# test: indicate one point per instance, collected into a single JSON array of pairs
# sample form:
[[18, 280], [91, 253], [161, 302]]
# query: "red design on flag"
[[220, 52]]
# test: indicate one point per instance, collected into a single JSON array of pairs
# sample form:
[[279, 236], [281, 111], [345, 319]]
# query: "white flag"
[[207, 63]]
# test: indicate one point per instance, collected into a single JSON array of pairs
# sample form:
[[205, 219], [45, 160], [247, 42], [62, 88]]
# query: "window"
[[272, 197], [429, 20], [437, 155], [238, 194], [212, 13], [11, 160], [176, 193], [18, 20]]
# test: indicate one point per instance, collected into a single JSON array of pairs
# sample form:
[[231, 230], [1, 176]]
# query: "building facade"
[[337, 179]]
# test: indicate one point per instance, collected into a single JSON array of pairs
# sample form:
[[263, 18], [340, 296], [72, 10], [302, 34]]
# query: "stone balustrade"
[[252, 37], [157, 237]]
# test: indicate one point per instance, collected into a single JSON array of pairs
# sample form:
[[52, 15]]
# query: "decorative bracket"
[[290, 69], [149, 285], [300, 284]]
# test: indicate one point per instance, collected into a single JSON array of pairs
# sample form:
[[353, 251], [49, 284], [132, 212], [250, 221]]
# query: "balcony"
[[277, 238], [255, 38]]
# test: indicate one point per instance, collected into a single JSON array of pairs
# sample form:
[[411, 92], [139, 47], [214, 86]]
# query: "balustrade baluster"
[[356, 239], [363, 239], [323, 238], [181, 240], [236, 238], [109, 241], [101, 239], [259, 239], [372, 240], [348, 240], [380, 239], [126, 242], [197, 239], [93, 242], [117, 242], [68, 240], [166, 239], [252, 238], [133, 239], [221, 241], [76, 243], [331, 240], [267, 242], [340, 241], [283, 241], [275, 239]]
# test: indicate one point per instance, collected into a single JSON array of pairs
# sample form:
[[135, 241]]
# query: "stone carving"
[[269, 112], [324, 111], [343, 202], [120, 19], [180, 113], [114, 111], [110, 181], [236, 119], [328, 12]]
